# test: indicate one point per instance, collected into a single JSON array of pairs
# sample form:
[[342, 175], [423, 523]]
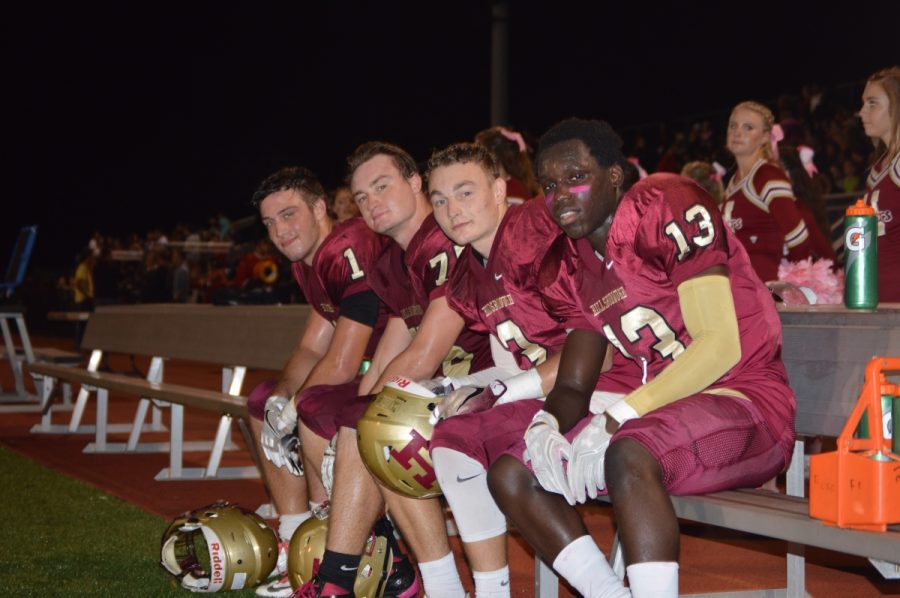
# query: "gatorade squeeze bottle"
[[860, 257]]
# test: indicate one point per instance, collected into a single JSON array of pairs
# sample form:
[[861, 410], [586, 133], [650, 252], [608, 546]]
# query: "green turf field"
[[65, 538]]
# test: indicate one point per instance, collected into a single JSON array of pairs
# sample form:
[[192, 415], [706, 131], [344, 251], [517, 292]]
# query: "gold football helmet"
[[394, 435], [306, 549], [240, 549]]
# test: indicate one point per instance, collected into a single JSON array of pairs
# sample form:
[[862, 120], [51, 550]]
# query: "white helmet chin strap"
[[189, 580]]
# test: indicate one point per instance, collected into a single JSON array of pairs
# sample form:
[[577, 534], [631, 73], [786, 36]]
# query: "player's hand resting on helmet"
[[547, 450], [453, 401], [585, 471], [278, 438], [439, 386]]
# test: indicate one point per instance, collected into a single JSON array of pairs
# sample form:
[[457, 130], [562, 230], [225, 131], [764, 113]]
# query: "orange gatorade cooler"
[[858, 485]]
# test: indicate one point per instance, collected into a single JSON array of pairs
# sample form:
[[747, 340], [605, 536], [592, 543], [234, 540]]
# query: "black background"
[[123, 117]]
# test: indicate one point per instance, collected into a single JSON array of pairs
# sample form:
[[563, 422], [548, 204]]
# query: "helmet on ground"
[[306, 549], [219, 548], [394, 435]]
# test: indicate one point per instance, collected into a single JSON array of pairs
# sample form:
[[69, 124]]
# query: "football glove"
[[279, 439], [439, 386], [585, 470], [548, 450], [450, 404], [483, 400]]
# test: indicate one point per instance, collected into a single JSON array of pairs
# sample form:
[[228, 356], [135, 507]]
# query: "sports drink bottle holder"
[[858, 485]]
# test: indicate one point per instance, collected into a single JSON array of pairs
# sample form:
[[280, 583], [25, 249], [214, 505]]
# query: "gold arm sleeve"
[[709, 316]]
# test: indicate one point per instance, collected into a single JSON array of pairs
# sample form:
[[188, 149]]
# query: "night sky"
[[129, 116]]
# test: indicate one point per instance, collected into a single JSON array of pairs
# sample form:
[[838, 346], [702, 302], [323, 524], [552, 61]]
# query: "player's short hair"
[[464, 153], [603, 143], [365, 152], [297, 178]]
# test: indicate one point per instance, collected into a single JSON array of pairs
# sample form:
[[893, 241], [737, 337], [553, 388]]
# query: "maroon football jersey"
[[666, 230], [430, 258], [391, 282], [883, 194], [339, 270], [762, 212], [500, 295]]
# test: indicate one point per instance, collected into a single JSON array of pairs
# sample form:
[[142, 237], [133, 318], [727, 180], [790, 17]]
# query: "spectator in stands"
[[674, 158], [244, 273], [181, 278], [510, 150], [106, 278], [759, 202], [155, 278], [342, 204], [223, 225], [880, 115], [809, 202], [83, 286], [707, 176], [790, 117], [850, 179], [83, 283]]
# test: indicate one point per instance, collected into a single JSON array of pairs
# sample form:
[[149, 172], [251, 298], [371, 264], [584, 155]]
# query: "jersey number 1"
[[355, 271]]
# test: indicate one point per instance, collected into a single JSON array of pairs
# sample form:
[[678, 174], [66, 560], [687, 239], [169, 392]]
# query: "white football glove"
[[585, 473], [279, 439], [547, 450], [439, 386], [451, 403], [328, 465]]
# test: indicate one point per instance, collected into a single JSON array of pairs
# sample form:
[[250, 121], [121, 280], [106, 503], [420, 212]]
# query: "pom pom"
[[820, 276]]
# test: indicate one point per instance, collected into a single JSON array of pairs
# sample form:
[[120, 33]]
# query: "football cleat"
[[403, 581], [277, 588], [316, 588]]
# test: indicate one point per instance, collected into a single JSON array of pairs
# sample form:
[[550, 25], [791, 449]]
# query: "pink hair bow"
[[513, 136], [719, 171], [806, 158], [777, 134], [642, 174]]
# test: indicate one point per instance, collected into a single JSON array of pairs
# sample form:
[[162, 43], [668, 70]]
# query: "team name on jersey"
[[326, 308], [411, 311], [497, 304], [608, 300]]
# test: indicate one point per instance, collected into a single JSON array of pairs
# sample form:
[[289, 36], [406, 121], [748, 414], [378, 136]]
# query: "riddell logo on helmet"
[[400, 381], [215, 560]]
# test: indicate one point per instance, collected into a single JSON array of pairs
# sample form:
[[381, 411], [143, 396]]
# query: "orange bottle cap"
[[861, 208]]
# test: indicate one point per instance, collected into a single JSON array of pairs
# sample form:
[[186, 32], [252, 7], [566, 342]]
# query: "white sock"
[[584, 566], [657, 579], [288, 524], [441, 579], [492, 584]]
